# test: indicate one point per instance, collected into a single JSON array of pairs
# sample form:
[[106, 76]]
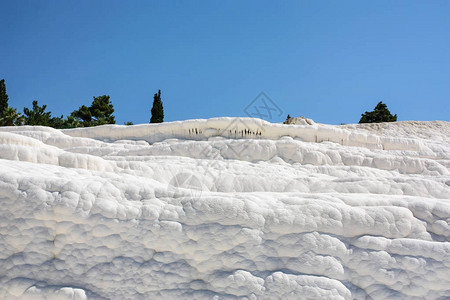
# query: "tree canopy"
[[3, 97], [37, 115], [8, 115], [157, 109], [99, 113], [380, 114]]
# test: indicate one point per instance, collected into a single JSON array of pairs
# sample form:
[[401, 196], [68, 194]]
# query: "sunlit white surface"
[[226, 208]]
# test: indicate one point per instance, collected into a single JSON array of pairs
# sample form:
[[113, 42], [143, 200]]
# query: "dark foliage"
[[99, 113], [380, 114], [8, 115], [3, 97], [37, 115], [157, 109]]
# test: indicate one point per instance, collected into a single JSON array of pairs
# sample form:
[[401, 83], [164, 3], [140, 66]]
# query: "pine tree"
[[157, 109], [57, 122], [102, 111], [99, 113], [11, 117], [380, 114], [83, 116], [71, 122], [8, 115], [3, 98], [37, 115]]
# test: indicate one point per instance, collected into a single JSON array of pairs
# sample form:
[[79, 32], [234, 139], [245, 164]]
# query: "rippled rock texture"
[[226, 208]]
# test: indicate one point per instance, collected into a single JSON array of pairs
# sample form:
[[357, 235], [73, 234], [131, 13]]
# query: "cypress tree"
[[3, 98], [8, 115], [157, 109], [380, 114]]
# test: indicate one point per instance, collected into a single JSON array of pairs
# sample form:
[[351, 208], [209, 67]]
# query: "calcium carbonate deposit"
[[226, 208]]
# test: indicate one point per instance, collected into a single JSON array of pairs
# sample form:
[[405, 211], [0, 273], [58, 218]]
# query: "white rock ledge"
[[226, 208]]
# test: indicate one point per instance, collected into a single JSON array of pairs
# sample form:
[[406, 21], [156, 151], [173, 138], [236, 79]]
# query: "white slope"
[[226, 208]]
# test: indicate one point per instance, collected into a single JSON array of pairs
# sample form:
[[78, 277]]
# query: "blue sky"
[[326, 60]]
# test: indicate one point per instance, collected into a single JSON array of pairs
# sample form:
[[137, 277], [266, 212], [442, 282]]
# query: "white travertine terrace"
[[226, 208]]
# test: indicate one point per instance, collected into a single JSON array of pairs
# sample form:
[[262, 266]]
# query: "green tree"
[[99, 113], [102, 111], [70, 122], [37, 115], [380, 114], [83, 116], [11, 117], [8, 115], [3, 98], [57, 122], [157, 109]]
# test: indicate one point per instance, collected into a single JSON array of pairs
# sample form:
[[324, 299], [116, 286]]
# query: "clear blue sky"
[[326, 60]]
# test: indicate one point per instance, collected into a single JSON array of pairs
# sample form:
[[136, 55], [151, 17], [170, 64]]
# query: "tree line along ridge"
[[101, 110]]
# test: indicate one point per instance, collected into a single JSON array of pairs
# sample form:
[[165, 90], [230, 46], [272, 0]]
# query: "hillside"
[[226, 208]]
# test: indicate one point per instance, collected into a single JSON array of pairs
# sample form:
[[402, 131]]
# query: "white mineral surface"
[[226, 208]]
